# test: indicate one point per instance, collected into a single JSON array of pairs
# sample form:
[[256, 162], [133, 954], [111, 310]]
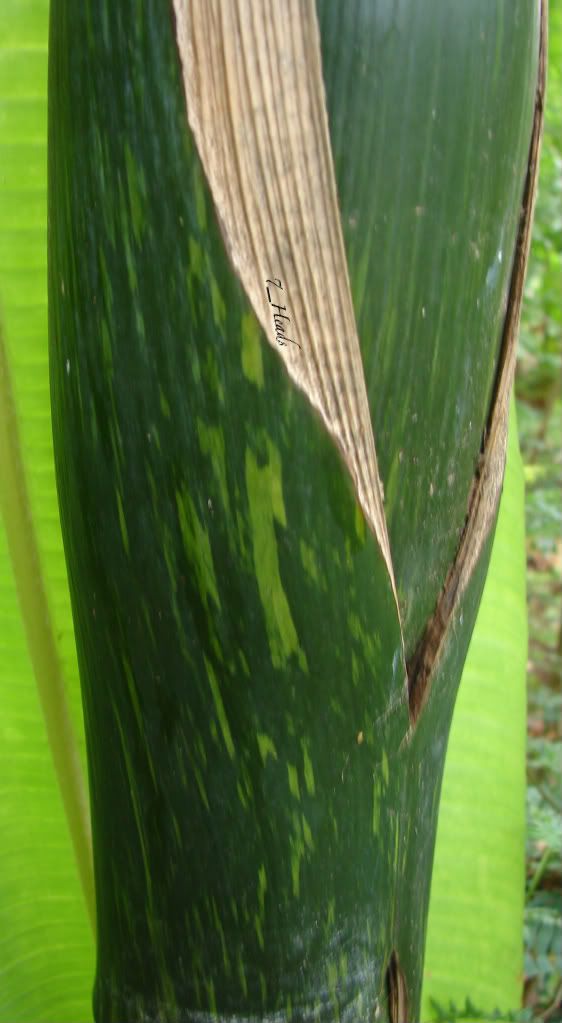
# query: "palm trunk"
[[285, 262]]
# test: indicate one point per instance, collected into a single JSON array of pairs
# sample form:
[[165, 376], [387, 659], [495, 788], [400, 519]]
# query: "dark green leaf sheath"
[[263, 821]]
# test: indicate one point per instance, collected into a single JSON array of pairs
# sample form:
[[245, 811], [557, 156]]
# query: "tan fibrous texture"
[[256, 106]]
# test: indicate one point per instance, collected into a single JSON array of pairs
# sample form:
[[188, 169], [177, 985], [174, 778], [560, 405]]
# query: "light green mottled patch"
[[275, 479], [164, 404], [200, 203], [136, 187], [262, 887], [219, 708], [308, 770], [217, 647], [309, 563], [197, 547], [139, 325], [266, 747], [219, 308], [211, 442], [211, 995], [307, 834], [265, 498], [201, 751], [212, 375], [201, 786], [368, 638], [299, 845], [246, 783], [242, 536], [259, 931], [354, 625], [220, 931], [384, 765], [331, 912], [296, 854], [242, 796], [377, 792], [294, 787], [116, 443], [242, 975], [122, 524], [360, 527], [252, 362], [332, 977], [196, 258]]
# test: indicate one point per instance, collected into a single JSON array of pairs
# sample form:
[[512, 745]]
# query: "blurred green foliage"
[[539, 396]]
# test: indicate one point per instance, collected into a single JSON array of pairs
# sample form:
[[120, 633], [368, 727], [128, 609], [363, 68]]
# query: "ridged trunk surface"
[[263, 809]]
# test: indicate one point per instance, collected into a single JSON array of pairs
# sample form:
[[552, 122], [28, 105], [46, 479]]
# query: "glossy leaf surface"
[[46, 948]]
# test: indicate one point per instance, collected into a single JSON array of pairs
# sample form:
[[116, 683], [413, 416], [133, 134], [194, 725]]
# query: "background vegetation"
[[540, 417], [539, 407]]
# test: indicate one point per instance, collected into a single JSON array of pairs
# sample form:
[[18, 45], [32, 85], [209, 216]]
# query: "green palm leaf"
[[46, 957], [474, 942]]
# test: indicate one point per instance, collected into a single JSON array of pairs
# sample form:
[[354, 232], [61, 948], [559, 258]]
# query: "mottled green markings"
[[122, 522], [197, 546], [219, 707], [309, 562], [219, 308], [308, 769], [248, 846], [293, 781], [265, 499], [211, 439], [266, 747], [252, 364]]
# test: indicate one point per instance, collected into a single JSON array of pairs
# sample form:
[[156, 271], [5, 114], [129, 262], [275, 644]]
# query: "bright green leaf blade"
[[474, 942], [46, 948]]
